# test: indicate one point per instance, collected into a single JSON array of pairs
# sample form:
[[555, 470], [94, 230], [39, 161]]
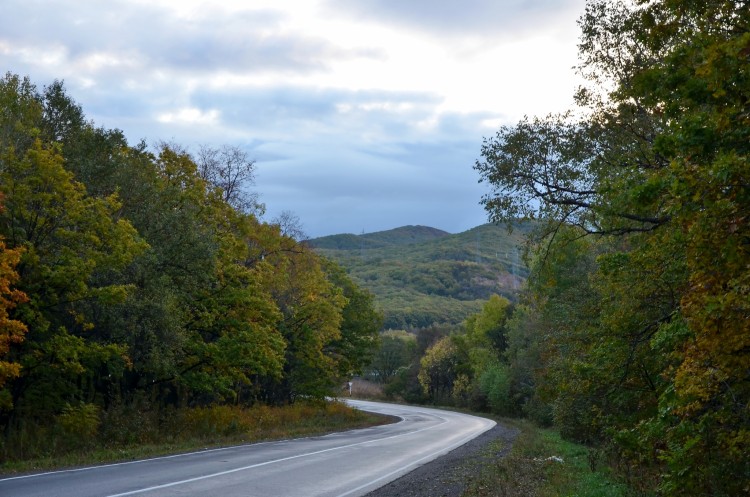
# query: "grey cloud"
[[237, 42], [398, 163], [277, 108], [337, 158], [333, 189], [393, 202], [451, 18]]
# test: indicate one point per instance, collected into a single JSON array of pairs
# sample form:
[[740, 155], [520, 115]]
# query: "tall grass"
[[84, 434]]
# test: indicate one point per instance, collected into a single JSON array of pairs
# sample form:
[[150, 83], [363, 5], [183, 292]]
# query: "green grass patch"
[[124, 434], [542, 464]]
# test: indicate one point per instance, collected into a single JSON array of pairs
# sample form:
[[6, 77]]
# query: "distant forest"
[[422, 276]]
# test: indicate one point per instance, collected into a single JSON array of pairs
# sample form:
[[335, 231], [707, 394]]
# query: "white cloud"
[[189, 115], [344, 104]]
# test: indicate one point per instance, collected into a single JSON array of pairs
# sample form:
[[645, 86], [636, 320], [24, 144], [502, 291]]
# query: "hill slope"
[[399, 236], [422, 275]]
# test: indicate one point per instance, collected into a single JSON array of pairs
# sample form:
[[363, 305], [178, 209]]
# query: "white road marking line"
[[126, 463], [252, 466], [413, 463], [172, 456]]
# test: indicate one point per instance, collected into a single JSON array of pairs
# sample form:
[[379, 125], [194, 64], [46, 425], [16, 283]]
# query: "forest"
[[421, 276], [632, 332], [137, 280]]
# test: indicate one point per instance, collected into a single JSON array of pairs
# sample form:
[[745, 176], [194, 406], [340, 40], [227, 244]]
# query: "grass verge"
[[540, 464], [124, 436]]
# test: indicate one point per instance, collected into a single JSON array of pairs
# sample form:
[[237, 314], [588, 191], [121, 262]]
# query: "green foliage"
[[79, 425], [406, 235], [421, 276], [360, 325], [486, 332], [145, 274], [69, 241], [495, 385], [639, 287], [541, 463], [439, 369], [395, 353], [525, 357]]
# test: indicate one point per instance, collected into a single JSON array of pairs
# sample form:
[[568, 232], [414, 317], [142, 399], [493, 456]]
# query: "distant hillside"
[[398, 236], [423, 275]]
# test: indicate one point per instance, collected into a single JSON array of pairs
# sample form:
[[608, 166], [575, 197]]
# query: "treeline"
[[448, 364], [138, 276], [633, 332], [461, 365]]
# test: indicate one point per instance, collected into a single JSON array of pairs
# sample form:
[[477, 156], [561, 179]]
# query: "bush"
[[495, 385], [79, 425]]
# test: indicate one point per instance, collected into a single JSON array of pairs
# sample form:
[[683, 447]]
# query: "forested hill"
[[399, 236], [421, 275]]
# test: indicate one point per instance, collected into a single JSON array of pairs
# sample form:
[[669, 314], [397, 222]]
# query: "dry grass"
[[364, 389], [131, 433]]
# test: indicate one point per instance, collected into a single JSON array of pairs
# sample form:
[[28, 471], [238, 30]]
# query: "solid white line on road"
[[139, 461], [252, 466]]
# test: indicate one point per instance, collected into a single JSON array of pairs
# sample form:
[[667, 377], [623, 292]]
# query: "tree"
[[438, 369], [231, 170], [21, 113], [12, 331], [310, 306], [655, 164], [487, 329], [68, 240], [702, 87], [394, 354], [290, 225], [62, 118], [360, 324], [189, 319], [527, 357]]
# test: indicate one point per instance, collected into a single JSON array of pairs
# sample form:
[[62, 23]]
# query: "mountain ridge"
[[403, 235], [422, 276]]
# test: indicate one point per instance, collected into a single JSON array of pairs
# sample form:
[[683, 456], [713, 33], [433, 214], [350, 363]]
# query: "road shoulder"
[[448, 475]]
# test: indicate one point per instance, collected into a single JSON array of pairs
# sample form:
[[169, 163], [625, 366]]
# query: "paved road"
[[342, 464]]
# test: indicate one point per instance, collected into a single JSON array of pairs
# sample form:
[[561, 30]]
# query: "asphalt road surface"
[[346, 464]]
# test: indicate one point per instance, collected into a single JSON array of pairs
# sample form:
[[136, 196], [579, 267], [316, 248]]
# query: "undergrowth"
[[541, 464], [82, 435]]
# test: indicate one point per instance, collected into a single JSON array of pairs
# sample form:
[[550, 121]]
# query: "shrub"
[[78, 425]]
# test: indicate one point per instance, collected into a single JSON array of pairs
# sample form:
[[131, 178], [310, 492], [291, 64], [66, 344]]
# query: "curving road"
[[343, 464]]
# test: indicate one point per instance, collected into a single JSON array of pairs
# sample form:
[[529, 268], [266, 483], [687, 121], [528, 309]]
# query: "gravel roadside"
[[449, 475]]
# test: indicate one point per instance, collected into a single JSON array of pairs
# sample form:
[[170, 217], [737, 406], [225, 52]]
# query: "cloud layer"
[[361, 115]]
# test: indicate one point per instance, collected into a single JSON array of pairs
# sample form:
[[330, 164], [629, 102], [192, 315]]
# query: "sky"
[[361, 115]]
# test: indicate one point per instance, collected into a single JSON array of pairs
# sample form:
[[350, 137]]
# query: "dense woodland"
[[422, 276], [632, 334], [138, 280]]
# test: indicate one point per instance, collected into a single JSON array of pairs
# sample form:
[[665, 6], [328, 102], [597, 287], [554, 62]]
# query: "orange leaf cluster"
[[11, 330]]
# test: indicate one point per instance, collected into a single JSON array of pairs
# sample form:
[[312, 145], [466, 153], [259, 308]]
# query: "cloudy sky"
[[362, 115]]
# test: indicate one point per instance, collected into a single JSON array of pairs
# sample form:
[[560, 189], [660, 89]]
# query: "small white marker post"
[[350, 389]]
